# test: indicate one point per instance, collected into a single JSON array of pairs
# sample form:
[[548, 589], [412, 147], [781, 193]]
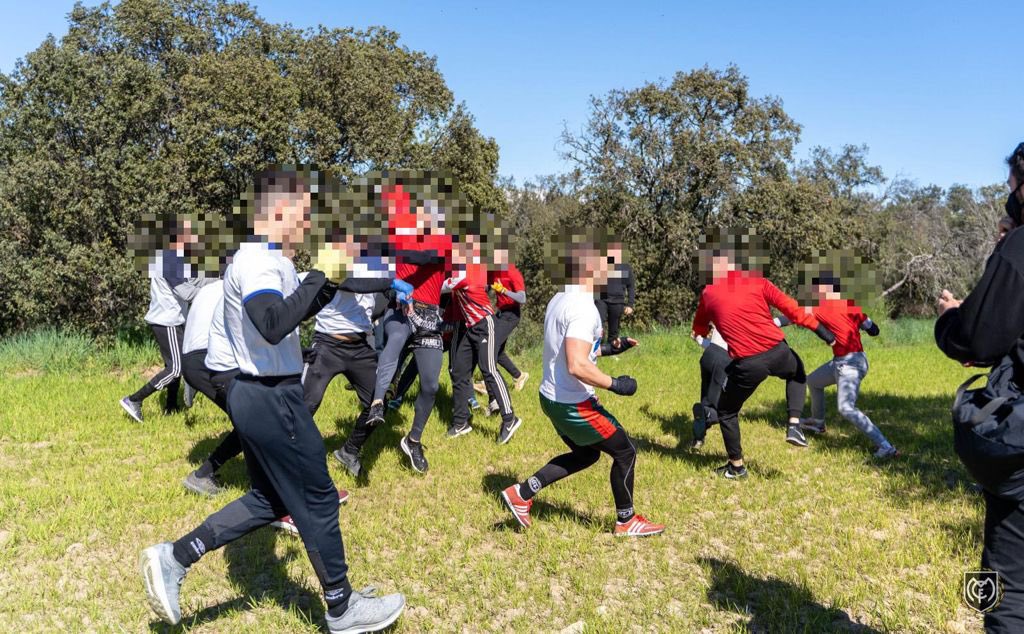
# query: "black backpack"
[[988, 431]]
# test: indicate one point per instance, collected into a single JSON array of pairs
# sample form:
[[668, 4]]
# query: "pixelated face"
[[592, 263], [501, 258], [824, 291], [721, 264], [284, 218]]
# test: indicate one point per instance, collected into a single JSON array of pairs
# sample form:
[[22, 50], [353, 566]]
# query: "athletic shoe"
[[493, 409], [207, 486], [134, 409], [700, 426], [731, 472], [287, 524], [415, 452], [473, 403], [520, 508], [349, 460], [887, 452], [480, 388], [162, 576], [367, 613], [190, 395], [461, 430], [521, 381], [376, 416], [795, 437], [638, 526], [394, 403], [508, 430], [815, 425]]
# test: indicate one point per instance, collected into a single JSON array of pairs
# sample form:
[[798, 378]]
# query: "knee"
[[849, 412], [429, 386]]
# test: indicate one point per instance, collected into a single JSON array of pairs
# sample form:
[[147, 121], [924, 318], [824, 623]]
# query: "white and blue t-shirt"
[[258, 268], [200, 317], [350, 313], [570, 314]]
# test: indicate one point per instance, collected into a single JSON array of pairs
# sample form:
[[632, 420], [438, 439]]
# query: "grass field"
[[820, 539]]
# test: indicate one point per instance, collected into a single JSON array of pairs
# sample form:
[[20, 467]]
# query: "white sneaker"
[[521, 381], [367, 613]]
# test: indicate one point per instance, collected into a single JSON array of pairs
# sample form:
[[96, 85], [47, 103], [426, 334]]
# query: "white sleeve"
[[259, 275], [578, 326]]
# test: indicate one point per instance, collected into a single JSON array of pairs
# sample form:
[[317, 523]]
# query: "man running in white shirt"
[[572, 344]]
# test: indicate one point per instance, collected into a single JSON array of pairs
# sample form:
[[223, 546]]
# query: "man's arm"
[[577, 357], [630, 286], [791, 309], [869, 326], [275, 316], [701, 320], [187, 289]]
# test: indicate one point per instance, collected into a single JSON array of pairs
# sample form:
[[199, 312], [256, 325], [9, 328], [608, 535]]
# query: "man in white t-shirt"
[[572, 343], [171, 288], [264, 303]]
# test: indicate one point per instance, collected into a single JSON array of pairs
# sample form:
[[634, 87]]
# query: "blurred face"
[[825, 291], [593, 265], [721, 265], [286, 219], [186, 237], [501, 258]]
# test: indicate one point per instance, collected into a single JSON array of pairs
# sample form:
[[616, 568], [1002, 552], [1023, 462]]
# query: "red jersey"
[[511, 279], [421, 260], [469, 290], [843, 318], [740, 306]]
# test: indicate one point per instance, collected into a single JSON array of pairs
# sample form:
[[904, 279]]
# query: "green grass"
[[815, 540]]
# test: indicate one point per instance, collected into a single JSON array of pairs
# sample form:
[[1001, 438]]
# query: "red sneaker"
[[638, 526], [287, 524], [520, 508]]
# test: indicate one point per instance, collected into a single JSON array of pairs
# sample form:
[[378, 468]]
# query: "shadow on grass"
[[259, 575], [385, 436], [774, 605], [494, 483]]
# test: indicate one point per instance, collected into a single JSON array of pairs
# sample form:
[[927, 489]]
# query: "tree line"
[[152, 106]]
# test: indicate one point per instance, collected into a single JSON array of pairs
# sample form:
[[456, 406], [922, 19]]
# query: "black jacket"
[[620, 290], [990, 322]]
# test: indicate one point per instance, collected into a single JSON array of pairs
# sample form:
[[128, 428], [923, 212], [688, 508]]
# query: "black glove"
[[623, 385], [607, 349]]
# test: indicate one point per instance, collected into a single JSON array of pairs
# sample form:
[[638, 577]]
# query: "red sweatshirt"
[[511, 279], [469, 290], [421, 260], [843, 318], [740, 306]]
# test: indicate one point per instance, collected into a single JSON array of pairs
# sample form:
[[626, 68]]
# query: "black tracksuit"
[[213, 385], [987, 326], [713, 364], [619, 293]]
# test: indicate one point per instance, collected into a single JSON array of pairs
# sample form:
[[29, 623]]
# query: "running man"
[[170, 291], [263, 305], [713, 364], [475, 343], [848, 366], [572, 343], [739, 303]]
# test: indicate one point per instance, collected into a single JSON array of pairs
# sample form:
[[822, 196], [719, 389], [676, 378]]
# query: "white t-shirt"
[[351, 313], [258, 268], [570, 314], [166, 308], [219, 355], [200, 316]]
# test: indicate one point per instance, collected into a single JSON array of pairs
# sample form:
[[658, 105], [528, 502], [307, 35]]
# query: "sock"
[[190, 548], [337, 600], [205, 470], [143, 392], [530, 488], [624, 515]]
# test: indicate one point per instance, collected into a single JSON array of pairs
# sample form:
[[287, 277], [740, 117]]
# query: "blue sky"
[[928, 86]]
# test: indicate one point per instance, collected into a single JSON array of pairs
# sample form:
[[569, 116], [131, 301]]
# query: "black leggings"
[[623, 455], [213, 385], [743, 377]]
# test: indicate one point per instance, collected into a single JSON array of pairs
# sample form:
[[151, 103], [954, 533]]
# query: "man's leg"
[[168, 341], [623, 455], [460, 365], [324, 364], [614, 319], [602, 310], [1004, 543], [397, 333], [361, 372], [817, 381], [744, 375], [713, 363], [504, 324], [484, 342], [193, 367], [848, 378], [429, 362], [562, 466]]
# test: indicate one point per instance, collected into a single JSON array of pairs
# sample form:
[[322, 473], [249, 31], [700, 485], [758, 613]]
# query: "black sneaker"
[[459, 430], [508, 429], [700, 425], [350, 460], [414, 450], [730, 472], [795, 437], [376, 416]]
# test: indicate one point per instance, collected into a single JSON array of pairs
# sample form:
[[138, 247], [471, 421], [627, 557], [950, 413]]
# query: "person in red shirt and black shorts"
[[847, 368], [475, 342], [739, 303]]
